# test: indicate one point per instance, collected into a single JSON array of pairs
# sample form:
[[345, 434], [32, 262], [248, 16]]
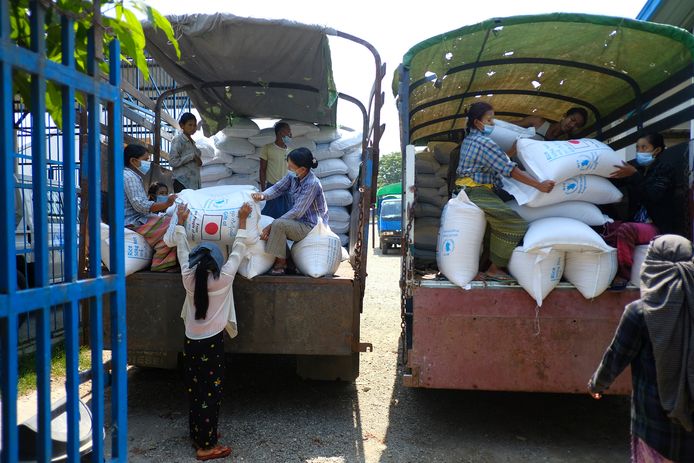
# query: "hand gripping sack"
[[460, 238], [214, 212], [637, 262], [537, 272], [588, 188], [559, 160], [257, 261], [138, 253], [582, 211], [319, 253], [505, 134], [591, 272], [562, 234]]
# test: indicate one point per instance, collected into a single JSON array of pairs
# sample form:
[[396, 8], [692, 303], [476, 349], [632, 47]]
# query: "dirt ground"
[[270, 415]]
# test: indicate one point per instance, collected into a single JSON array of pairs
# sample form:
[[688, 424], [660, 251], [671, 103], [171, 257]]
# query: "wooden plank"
[[147, 101]]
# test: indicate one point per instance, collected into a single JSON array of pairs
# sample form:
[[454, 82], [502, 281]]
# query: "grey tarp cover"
[[224, 47]]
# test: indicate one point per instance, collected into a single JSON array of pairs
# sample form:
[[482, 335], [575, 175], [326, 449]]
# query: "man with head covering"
[[208, 311], [656, 338]]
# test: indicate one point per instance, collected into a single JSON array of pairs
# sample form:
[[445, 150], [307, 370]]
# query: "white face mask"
[[162, 198], [292, 174], [286, 139]]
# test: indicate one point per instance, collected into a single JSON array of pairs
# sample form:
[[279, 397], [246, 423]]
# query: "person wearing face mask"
[[574, 119], [141, 213], [308, 205], [185, 157], [649, 184], [273, 166], [481, 166], [158, 192]]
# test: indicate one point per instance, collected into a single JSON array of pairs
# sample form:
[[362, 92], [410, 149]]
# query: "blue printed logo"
[[587, 162], [448, 247], [569, 186]]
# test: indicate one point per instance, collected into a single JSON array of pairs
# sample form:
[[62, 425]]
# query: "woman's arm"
[[545, 186], [625, 346], [274, 191], [238, 250], [176, 235]]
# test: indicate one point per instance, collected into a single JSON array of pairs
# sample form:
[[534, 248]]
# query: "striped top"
[[308, 201]]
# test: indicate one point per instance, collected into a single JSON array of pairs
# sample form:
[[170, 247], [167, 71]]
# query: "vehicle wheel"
[[384, 248]]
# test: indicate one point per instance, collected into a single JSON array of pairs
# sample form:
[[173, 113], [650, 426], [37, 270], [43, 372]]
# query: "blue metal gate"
[[44, 298]]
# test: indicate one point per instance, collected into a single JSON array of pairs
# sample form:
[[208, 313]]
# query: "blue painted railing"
[[43, 297]]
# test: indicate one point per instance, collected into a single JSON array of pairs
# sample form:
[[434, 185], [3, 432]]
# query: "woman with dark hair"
[[207, 311], [649, 183], [655, 337], [574, 119], [308, 205], [141, 213], [481, 166]]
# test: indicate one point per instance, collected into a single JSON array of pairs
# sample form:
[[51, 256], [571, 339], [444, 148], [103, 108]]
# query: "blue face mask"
[[292, 174], [488, 129], [144, 167], [644, 159], [286, 139], [162, 198]]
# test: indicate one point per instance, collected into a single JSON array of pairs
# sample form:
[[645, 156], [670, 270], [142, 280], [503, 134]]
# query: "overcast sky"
[[393, 28]]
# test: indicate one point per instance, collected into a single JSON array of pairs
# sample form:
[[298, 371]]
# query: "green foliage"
[[119, 22], [390, 169]]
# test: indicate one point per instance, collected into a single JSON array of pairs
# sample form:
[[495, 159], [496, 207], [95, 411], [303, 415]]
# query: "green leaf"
[[135, 29], [160, 22]]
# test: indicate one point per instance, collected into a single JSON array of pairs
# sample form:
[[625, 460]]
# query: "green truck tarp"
[[540, 65], [390, 189]]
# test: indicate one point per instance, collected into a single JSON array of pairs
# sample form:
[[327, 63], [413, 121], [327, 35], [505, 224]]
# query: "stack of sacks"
[[589, 264], [432, 196], [442, 153], [235, 161], [580, 168]]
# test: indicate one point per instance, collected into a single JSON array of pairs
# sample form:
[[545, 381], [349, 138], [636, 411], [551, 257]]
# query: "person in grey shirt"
[[185, 157]]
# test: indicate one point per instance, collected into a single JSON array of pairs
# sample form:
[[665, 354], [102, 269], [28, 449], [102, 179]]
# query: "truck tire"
[[384, 248], [328, 367]]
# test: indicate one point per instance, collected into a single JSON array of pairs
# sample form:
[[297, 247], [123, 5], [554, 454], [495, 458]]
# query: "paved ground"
[[269, 415]]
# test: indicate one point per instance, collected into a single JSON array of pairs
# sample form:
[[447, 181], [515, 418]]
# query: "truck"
[[388, 212], [631, 76], [269, 69]]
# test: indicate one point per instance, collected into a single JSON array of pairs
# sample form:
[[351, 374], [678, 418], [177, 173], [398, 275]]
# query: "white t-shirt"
[[221, 312]]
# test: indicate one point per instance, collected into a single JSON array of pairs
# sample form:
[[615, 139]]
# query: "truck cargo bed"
[[491, 337]]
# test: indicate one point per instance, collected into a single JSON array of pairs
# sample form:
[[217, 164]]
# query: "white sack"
[[330, 167], [257, 261], [347, 141], [319, 253], [214, 212], [138, 253], [339, 213], [582, 211], [218, 157], [251, 181], [460, 239], [263, 137], [353, 162], [638, 259], [344, 239], [299, 128], [336, 182], [339, 226], [325, 134], [562, 234], [241, 127], [338, 198], [537, 272], [505, 134], [559, 160], [589, 188], [206, 147], [301, 142], [233, 145], [214, 172], [324, 152], [246, 166], [591, 272]]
